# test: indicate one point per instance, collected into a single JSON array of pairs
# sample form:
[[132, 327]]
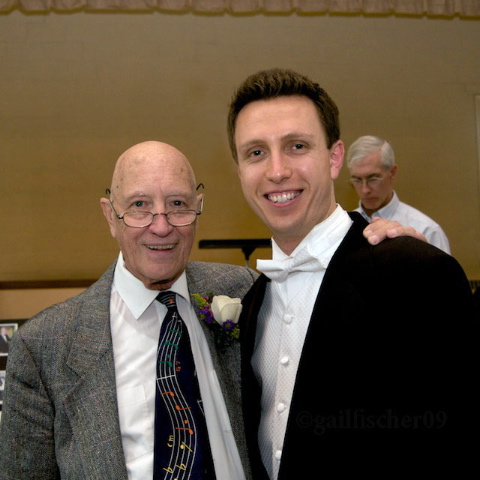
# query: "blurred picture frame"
[[7, 328]]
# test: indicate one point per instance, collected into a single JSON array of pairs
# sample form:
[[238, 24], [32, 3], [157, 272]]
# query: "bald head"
[[156, 178], [152, 155]]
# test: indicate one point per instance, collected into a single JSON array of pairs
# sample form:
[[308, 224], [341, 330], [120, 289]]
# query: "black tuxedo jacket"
[[384, 381]]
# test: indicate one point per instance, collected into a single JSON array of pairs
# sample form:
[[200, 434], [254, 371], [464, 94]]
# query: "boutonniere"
[[221, 313]]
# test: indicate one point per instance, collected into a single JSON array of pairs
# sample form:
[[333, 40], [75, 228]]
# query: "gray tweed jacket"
[[60, 414]]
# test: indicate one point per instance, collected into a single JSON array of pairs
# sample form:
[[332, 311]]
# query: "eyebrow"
[[287, 137], [134, 196], [371, 175], [139, 194]]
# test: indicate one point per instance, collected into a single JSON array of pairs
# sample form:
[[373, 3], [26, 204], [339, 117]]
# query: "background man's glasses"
[[371, 182]]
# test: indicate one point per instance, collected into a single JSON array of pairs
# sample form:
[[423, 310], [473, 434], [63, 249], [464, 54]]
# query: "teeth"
[[160, 247], [282, 198]]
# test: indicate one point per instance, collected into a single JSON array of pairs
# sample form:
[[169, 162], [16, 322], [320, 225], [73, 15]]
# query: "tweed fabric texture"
[[59, 417]]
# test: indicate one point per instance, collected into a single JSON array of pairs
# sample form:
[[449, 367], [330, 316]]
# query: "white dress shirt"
[[135, 323], [409, 216], [282, 325]]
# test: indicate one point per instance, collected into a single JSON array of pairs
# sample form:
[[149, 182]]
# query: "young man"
[[328, 386]]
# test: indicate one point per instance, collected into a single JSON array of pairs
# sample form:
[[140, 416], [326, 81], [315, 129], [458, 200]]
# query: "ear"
[[337, 153], [393, 171], [108, 214], [200, 199]]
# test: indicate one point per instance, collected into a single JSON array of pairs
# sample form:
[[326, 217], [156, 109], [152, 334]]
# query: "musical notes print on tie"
[[180, 430]]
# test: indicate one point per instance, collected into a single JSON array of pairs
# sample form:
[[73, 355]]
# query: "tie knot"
[[279, 269], [167, 298]]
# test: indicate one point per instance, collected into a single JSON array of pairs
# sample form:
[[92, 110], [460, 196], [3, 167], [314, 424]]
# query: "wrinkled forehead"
[[153, 174]]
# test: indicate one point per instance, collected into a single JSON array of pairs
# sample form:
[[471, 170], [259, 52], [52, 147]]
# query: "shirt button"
[[288, 319], [285, 360], [281, 407], [278, 455]]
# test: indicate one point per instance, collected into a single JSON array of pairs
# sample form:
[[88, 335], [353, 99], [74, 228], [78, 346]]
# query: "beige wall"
[[78, 89], [23, 303]]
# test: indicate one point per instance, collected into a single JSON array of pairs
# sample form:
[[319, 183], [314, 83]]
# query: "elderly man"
[[81, 398]]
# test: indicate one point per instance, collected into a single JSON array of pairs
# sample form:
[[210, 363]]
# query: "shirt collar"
[[385, 212], [134, 293], [321, 238]]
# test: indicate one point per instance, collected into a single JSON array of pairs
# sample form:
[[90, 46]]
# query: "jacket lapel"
[[339, 299], [226, 364], [91, 405], [251, 389]]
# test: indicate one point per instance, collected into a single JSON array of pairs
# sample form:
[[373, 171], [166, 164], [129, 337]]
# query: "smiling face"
[[153, 177], [285, 168]]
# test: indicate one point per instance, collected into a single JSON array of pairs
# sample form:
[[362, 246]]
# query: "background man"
[[371, 162], [330, 388]]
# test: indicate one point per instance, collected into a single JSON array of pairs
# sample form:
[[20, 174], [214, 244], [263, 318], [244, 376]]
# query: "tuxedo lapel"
[[249, 317], [91, 405], [251, 389], [338, 299]]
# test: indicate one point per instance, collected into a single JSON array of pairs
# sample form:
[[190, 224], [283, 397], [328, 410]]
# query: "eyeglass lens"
[[144, 219]]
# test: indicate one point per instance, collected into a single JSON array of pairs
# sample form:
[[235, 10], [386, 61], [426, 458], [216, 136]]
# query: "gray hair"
[[368, 144]]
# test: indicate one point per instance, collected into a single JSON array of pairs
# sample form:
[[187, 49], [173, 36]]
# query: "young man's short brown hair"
[[277, 82]]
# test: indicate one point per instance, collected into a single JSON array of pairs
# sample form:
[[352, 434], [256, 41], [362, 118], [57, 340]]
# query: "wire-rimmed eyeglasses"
[[140, 219], [371, 182]]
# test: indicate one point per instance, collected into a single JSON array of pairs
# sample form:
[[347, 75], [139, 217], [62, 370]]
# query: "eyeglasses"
[[176, 218], [371, 182]]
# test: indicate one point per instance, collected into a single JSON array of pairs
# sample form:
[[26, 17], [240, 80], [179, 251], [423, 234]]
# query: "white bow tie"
[[279, 269]]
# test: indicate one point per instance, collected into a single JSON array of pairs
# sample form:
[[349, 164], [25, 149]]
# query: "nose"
[[279, 167], [365, 187], [160, 226]]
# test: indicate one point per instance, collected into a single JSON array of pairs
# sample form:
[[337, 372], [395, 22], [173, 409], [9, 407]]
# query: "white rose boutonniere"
[[221, 313], [226, 310]]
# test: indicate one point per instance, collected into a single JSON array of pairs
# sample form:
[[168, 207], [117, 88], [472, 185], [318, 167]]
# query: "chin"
[[158, 284]]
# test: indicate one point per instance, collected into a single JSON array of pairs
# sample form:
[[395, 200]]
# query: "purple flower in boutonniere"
[[222, 314]]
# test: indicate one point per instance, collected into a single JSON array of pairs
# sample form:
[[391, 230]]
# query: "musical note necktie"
[[181, 447]]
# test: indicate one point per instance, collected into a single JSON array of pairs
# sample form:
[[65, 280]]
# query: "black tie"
[[182, 449]]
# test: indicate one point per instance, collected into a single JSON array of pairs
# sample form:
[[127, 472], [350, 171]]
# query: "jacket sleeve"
[[27, 445]]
